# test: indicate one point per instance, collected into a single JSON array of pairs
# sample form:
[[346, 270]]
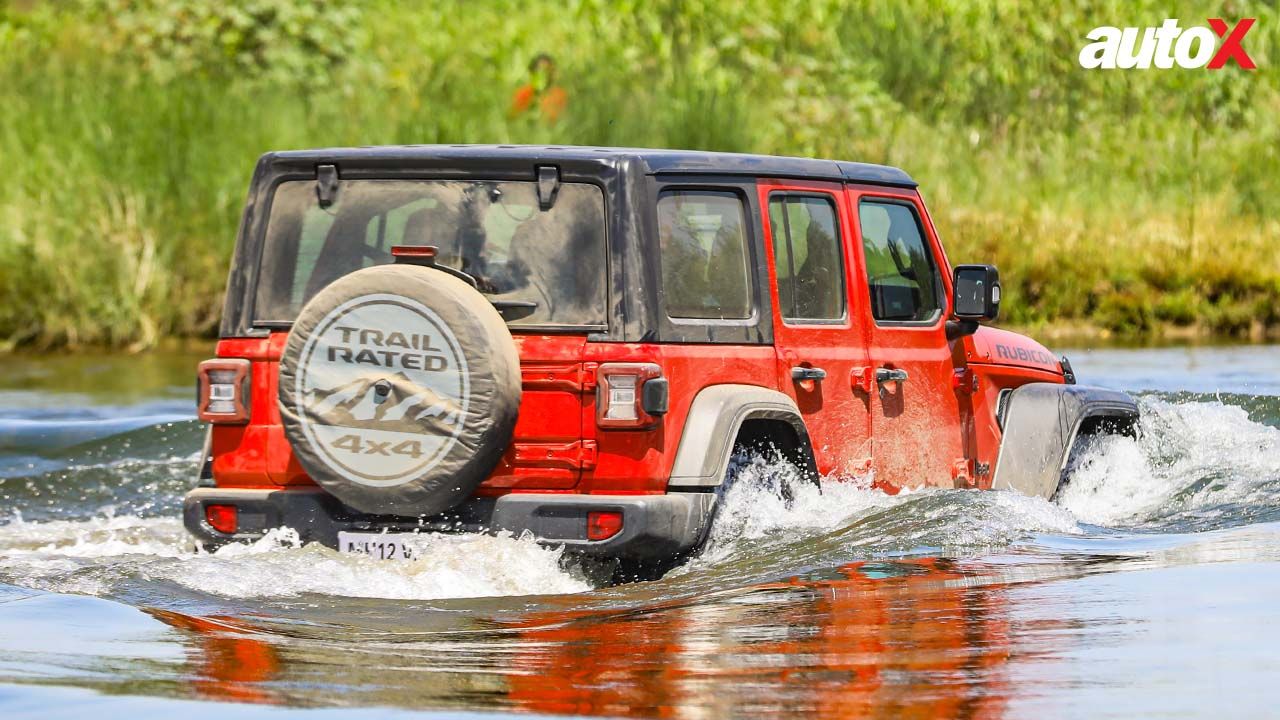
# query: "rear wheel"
[[769, 455], [774, 452]]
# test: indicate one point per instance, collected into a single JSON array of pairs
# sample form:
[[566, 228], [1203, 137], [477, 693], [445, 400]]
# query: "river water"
[[1150, 586]]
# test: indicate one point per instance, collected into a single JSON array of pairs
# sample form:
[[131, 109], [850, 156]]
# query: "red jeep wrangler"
[[573, 342]]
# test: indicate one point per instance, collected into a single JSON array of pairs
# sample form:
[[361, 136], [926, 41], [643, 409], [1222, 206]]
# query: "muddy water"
[[1149, 587]]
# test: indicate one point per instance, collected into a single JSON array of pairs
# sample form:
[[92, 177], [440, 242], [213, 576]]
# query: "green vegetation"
[[1133, 201]]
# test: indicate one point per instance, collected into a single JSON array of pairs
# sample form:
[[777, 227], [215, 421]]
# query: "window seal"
[[551, 329]]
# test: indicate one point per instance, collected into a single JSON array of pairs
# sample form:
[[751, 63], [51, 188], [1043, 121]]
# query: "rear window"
[[494, 231]]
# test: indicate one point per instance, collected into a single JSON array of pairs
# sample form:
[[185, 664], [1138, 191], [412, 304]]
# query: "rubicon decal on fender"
[[379, 403], [1042, 357]]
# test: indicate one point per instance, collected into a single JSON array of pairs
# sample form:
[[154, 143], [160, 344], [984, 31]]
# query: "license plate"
[[383, 546]]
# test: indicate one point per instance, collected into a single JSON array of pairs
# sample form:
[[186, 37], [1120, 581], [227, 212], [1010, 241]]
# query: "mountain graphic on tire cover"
[[408, 407]]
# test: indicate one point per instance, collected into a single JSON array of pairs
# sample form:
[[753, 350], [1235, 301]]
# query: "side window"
[[807, 257], [901, 272], [703, 241]]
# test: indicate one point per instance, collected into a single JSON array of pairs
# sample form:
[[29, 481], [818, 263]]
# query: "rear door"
[[914, 407], [820, 342]]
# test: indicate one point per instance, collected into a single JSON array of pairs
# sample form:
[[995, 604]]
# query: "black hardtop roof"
[[654, 161]]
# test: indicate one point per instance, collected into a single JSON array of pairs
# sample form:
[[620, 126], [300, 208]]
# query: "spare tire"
[[399, 389]]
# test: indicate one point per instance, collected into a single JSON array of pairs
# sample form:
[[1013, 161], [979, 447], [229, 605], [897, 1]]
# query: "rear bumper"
[[654, 527]]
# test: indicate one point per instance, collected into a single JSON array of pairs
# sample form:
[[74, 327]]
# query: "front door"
[[915, 409], [820, 342]]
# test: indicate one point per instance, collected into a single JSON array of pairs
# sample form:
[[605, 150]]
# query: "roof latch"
[[548, 185], [327, 184]]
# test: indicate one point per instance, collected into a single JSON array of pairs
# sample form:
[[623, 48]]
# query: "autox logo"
[[1168, 45]]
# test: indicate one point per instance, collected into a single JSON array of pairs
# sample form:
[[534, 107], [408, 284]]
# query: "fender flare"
[[1041, 423], [716, 415]]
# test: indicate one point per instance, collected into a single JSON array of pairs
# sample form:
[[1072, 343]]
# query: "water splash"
[[1195, 466], [769, 499], [762, 531], [93, 556], [447, 566]]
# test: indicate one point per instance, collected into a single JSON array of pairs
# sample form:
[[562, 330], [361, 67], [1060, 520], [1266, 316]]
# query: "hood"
[[1001, 347]]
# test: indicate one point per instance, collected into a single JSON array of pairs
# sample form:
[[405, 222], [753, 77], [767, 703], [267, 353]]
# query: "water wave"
[[95, 556], [104, 517], [144, 472]]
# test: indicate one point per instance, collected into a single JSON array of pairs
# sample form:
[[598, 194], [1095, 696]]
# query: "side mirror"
[[975, 293]]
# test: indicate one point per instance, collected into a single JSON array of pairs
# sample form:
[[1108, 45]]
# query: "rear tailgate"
[[549, 450]]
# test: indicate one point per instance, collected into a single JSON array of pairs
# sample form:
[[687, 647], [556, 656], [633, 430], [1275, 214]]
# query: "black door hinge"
[[327, 183], [548, 185]]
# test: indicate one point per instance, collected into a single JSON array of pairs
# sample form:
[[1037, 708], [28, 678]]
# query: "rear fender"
[[1042, 422], [714, 419]]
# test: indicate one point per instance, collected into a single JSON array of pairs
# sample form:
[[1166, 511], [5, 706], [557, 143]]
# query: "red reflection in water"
[[902, 639], [907, 638], [230, 662]]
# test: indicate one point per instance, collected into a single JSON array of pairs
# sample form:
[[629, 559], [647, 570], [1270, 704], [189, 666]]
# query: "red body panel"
[[639, 461], [548, 451], [1001, 347], [556, 447]]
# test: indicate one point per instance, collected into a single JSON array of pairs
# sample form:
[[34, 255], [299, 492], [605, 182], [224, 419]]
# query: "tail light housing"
[[630, 396], [223, 518], [222, 391]]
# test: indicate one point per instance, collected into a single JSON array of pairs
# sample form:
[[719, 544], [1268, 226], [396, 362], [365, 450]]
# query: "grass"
[[1132, 203]]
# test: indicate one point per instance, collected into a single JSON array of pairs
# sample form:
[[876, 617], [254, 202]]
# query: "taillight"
[[630, 395], [223, 518], [222, 391], [603, 525]]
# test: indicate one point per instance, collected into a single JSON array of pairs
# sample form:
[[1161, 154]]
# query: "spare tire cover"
[[399, 389]]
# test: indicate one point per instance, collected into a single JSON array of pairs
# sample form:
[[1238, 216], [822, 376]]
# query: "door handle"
[[803, 374], [887, 375]]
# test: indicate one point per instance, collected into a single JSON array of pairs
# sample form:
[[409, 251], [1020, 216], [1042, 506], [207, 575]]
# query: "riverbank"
[[1138, 204], [32, 367], [1082, 334]]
